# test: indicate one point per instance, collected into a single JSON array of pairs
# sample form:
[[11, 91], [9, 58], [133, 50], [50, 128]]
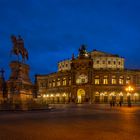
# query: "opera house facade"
[[92, 77]]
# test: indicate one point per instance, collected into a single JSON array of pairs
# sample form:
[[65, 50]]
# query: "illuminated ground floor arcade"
[[104, 97], [95, 97]]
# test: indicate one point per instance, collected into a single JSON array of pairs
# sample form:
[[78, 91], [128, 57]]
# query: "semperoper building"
[[94, 77]]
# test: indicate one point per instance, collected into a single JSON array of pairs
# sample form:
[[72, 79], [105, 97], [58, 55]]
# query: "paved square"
[[72, 122]]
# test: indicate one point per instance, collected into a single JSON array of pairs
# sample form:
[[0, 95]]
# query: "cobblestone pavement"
[[72, 122]]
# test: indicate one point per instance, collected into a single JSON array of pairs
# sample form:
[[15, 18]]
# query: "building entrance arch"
[[80, 95]]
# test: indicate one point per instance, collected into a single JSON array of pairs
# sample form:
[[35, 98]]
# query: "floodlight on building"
[[136, 94], [102, 94], [128, 94], [120, 94], [129, 89], [112, 94], [44, 95], [64, 94], [57, 95]]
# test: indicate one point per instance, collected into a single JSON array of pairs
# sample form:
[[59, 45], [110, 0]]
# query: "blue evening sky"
[[54, 29]]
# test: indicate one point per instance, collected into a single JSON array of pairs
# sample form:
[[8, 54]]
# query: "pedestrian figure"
[[129, 103], [113, 103], [110, 103], [120, 103]]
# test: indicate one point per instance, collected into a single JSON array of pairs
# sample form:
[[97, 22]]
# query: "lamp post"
[[129, 90]]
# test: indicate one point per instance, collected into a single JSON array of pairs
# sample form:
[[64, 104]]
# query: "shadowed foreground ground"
[[71, 122]]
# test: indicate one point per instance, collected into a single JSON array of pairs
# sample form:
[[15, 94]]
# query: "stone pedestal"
[[19, 71], [19, 84]]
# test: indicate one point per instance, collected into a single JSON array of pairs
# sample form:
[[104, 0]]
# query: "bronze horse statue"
[[18, 48]]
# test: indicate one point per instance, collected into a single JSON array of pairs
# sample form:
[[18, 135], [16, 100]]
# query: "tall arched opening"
[[80, 96]]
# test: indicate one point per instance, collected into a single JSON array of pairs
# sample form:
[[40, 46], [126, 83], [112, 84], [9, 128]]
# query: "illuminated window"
[[58, 82], [97, 81], [64, 81], [81, 79], [50, 84], [103, 62], [121, 80], [105, 80], [53, 83], [127, 80], [113, 80], [69, 81], [78, 81]]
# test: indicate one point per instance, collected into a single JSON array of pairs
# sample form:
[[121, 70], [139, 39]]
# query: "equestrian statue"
[[18, 48]]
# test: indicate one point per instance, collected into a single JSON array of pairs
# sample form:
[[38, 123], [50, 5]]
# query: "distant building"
[[90, 77]]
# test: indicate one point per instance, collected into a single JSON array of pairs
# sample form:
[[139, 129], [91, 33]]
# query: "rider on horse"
[[18, 48]]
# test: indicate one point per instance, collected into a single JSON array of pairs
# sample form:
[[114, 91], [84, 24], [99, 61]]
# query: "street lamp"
[[129, 90]]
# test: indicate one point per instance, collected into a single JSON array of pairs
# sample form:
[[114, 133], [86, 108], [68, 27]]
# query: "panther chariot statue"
[[18, 48]]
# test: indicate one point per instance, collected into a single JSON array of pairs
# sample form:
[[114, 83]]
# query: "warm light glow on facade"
[[98, 78], [128, 94], [136, 95], [57, 95], [120, 94], [111, 94], [102, 94], [44, 95], [64, 94], [129, 89]]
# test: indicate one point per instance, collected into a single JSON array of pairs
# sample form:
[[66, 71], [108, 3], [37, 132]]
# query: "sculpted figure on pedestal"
[[18, 48]]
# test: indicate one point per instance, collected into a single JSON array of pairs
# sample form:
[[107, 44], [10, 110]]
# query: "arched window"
[[127, 80], [97, 80], [105, 80], [64, 81], [53, 83], [58, 82], [121, 80], [113, 80]]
